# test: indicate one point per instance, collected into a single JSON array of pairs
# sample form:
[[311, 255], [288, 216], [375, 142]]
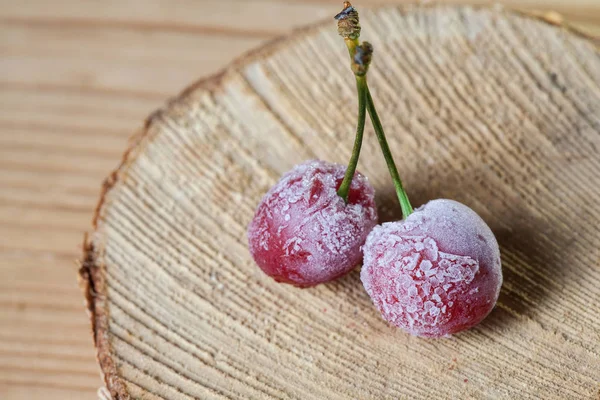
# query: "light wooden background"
[[76, 79]]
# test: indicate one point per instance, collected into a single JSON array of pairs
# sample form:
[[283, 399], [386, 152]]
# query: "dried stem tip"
[[348, 24], [362, 58]]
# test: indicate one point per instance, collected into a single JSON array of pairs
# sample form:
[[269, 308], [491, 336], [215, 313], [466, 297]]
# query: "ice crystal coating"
[[436, 273], [303, 233]]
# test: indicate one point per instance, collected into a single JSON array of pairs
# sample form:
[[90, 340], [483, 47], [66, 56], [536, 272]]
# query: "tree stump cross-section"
[[498, 110]]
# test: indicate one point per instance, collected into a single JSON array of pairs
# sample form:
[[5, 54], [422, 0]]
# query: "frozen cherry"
[[438, 271], [304, 233], [435, 273], [310, 226]]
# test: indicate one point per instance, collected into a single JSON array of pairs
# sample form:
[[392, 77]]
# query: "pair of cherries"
[[434, 273]]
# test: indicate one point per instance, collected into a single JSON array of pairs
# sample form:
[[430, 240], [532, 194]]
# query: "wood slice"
[[494, 109]]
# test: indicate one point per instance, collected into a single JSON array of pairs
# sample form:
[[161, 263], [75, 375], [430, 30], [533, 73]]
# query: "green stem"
[[387, 154], [351, 45], [361, 87]]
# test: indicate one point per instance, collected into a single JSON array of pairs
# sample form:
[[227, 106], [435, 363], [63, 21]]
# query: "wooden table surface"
[[76, 80]]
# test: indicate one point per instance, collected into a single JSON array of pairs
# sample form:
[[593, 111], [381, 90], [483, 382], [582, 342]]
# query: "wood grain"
[[76, 77], [494, 109]]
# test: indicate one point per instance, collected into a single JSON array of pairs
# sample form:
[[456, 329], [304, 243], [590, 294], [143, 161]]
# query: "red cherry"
[[303, 233], [435, 273]]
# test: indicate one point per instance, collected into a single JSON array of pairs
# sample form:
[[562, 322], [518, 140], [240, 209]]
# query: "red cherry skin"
[[436, 273], [303, 233]]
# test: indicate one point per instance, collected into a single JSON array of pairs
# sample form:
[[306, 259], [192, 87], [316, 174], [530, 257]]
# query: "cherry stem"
[[361, 87], [389, 159], [360, 57]]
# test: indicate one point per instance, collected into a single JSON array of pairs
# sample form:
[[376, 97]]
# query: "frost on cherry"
[[436, 273], [303, 233]]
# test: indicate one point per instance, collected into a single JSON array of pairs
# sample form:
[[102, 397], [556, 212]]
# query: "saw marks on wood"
[[493, 109]]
